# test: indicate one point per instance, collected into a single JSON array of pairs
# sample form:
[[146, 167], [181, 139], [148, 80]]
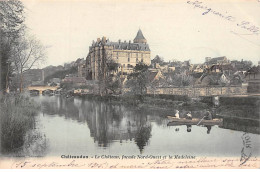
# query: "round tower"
[[140, 37]]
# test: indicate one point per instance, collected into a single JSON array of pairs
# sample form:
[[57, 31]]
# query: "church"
[[125, 54]]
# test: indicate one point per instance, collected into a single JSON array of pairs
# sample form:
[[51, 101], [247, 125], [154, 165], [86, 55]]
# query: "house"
[[208, 79], [156, 78], [216, 61], [215, 68], [196, 77], [197, 68], [75, 81], [253, 79], [242, 66]]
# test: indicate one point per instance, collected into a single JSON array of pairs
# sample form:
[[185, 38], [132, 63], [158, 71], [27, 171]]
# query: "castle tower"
[[140, 37]]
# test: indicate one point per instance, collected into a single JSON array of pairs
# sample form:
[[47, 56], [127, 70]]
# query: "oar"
[[201, 120]]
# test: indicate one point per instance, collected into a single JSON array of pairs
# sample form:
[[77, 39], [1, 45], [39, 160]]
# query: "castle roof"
[[217, 59], [139, 44], [129, 46], [139, 35]]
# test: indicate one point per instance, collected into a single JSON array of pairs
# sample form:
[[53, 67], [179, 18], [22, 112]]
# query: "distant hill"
[[61, 73]]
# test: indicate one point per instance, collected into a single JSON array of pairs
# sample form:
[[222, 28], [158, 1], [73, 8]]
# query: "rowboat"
[[183, 121]]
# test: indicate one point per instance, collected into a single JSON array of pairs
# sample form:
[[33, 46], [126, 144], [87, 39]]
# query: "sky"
[[175, 30]]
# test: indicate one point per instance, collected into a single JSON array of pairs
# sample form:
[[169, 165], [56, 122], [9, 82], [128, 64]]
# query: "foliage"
[[138, 80], [61, 74], [142, 136], [17, 117], [18, 51], [158, 59], [27, 52], [67, 86], [11, 28], [108, 81], [180, 79]]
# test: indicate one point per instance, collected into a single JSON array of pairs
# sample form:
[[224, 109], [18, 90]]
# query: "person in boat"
[[177, 115], [189, 116], [208, 116]]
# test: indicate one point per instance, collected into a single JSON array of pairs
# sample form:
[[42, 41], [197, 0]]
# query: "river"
[[77, 126]]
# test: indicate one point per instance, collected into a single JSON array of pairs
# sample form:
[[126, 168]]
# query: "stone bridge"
[[42, 88]]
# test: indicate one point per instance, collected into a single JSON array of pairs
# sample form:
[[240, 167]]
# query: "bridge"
[[42, 88]]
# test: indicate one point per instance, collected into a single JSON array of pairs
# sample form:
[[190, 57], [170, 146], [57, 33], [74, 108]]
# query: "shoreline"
[[247, 108]]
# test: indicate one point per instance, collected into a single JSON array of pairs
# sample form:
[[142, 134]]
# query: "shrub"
[[17, 117]]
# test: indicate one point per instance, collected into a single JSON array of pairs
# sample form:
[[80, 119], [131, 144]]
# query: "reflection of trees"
[[142, 136], [60, 106], [113, 122], [107, 122], [246, 125]]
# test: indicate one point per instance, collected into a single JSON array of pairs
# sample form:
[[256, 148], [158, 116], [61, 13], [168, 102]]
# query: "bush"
[[17, 117]]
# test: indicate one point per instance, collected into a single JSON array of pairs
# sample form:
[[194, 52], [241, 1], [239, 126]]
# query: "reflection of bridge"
[[42, 88]]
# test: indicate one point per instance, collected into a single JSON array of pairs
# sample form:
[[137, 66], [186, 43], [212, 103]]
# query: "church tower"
[[140, 37]]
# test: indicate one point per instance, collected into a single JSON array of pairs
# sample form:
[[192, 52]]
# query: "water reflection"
[[208, 129], [73, 126], [106, 122], [239, 124]]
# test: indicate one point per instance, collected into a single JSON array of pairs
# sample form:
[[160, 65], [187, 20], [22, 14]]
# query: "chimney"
[[119, 41], [98, 40], [129, 41]]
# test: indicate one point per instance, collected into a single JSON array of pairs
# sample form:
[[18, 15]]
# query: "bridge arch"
[[43, 88]]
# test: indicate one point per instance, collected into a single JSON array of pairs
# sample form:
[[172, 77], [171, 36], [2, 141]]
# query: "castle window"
[[136, 59], [142, 60], [128, 59], [136, 54]]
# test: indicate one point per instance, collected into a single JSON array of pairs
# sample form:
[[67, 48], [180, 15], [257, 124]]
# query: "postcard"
[[141, 84]]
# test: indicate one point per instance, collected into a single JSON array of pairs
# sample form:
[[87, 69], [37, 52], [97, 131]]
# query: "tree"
[[138, 80], [111, 81], [27, 53], [107, 68], [11, 28], [158, 59], [180, 79]]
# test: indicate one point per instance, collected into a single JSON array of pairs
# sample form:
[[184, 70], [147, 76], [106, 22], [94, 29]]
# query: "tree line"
[[19, 50]]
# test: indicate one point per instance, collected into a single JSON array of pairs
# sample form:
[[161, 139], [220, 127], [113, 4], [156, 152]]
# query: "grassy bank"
[[17, 117]]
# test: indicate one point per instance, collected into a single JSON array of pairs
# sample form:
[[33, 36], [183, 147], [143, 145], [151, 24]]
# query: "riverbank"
[[235, 107], [17, 118], [164, 104]]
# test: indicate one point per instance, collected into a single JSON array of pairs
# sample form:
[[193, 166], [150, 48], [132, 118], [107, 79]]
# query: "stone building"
[[253, 79], [125, 54], [82, 68], [216, 61]]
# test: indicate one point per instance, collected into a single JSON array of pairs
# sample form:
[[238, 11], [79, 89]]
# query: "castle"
[[125, 54]]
